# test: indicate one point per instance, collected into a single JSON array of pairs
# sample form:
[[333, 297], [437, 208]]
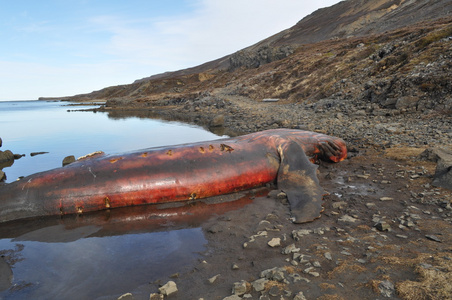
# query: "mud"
[[342, 255]]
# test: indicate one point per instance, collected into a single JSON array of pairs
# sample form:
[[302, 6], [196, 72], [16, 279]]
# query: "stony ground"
[[386, 232]]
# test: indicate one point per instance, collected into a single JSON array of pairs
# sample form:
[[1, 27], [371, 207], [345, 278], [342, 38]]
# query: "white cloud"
[[117, 49], [216, 28]]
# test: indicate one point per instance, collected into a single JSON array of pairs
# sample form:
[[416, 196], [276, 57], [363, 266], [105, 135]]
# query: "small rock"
[[259, 285], [68, 160], [386, 199], [213, 279], [383, 226], [233, 297], [401, 236], [156, 296], [276, 274], [273, 194], [217, 121], [264, 225], [168, 289], [347, 219], [328, 256], [370, 205], [314, 274], [240, 288], [299, 296], [281, 195], [339, 204], [365, 176], [386, 289], [18, 156], [127, 296], [235, 266], [290, 249], [433, 238], [37, 153], [274, 242], [297, 234], [274, 291]]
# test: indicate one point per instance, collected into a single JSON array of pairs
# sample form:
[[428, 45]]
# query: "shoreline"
[[382, 213]]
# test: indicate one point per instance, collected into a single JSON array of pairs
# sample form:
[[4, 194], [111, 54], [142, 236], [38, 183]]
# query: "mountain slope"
[[366, 50]]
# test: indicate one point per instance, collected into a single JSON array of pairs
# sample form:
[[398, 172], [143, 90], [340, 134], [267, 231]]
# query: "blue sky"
[[67, 47]]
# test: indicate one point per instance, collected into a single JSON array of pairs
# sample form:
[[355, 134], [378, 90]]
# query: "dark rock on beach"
[[443, 173], [68, 160], [6, 156]]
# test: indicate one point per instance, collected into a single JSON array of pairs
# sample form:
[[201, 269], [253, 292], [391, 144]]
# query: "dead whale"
[[180, 173]]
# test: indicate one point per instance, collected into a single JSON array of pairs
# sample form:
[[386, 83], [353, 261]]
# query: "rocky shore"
[[386, 229]]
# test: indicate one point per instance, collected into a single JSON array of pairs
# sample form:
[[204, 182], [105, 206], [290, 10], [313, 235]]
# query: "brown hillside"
[[395, 54]]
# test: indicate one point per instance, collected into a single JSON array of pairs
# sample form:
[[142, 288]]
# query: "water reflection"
[[36, 126], [103, 253]]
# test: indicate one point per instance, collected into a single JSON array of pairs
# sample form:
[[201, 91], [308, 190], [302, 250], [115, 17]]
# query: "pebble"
[[68, 160], [127, 296], [274, 291], [168, 289], [274, 242], [290, 249], [433, 238], [240, 288], [299, 296], [156, 296], [386, 288], [347, 219], [383, 226], [401, 236], [213, 279], [233, 297], [259, 284], [386, 199]]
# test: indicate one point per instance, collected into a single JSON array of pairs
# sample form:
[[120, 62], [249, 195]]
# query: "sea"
[[100, 255]]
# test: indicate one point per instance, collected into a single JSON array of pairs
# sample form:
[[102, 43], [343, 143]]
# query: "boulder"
[[6, 156]]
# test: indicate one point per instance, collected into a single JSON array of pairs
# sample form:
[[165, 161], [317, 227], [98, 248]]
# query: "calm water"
[[100, 255], [39, 126]]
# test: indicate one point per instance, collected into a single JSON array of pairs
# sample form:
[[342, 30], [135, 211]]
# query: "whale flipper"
[[298, 179]]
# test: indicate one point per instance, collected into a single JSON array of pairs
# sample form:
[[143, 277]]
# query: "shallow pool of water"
[[103, 254]]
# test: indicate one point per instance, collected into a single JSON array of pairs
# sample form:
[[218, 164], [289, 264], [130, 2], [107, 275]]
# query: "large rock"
[[6, 156], [443, 173]]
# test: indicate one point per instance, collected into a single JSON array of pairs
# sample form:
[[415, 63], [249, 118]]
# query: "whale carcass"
[[178, 173]]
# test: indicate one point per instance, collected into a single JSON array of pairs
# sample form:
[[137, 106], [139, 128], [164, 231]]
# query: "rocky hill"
[[392, 54]]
